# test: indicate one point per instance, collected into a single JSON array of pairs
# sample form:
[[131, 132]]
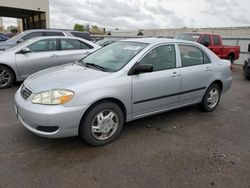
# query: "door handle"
[[54, 55], [175, 74]]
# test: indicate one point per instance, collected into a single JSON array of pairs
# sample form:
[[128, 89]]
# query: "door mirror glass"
[[143, 68], [25, 51]]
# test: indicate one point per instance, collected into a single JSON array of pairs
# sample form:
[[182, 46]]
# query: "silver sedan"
[[119, 83], [36, 54]]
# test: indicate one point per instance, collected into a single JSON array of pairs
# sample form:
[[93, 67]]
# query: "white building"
[[34, 13]]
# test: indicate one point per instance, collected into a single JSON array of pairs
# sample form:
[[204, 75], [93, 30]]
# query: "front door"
[[157, 90], [44, 54]]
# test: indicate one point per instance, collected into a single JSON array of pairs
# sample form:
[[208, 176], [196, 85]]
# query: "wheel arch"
[[14, 73], [231, 54], [108, 99], [219, 83]]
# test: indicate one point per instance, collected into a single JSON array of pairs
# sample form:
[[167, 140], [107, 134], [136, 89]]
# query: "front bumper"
[[61, 121]]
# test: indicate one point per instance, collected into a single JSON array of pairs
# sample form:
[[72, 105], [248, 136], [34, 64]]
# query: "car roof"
[[57, 37], [52, 30], [154, 40]]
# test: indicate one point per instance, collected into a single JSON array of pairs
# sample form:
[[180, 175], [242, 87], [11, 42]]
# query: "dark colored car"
[[42, 33], [3, 37], [246, 66]]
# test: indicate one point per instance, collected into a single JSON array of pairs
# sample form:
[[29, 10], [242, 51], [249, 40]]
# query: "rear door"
[[44, 54], [196, 73], [72, 50], [157, 90]]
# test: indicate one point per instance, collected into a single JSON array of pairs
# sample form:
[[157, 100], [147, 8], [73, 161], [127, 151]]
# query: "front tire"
[[102, 124], [6, 77], [211, 98]]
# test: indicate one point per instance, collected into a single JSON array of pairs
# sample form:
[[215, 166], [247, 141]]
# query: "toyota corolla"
[[124, 81]]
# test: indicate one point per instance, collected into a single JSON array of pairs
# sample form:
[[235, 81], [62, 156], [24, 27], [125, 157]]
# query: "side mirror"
[[143, 68], [206, 43], [24, 51], [19, 41]]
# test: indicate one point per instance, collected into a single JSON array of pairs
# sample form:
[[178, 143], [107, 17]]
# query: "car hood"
[[62, 77]]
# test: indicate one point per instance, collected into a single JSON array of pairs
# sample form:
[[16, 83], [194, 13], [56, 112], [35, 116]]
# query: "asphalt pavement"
[[181, 148]]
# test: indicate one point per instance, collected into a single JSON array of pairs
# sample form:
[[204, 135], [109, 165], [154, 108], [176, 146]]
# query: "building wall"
[[38, 5]]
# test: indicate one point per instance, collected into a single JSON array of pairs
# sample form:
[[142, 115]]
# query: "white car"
[[36, 54]]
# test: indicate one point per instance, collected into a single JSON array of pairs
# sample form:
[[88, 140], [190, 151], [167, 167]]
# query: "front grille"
[[25, 92]]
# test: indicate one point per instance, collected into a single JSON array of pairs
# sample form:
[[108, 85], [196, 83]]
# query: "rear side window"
[[162, 58], [72, 44], [82, 35], [216, 40], [43, 45], [52, 33], [32, 35], [191, 56]]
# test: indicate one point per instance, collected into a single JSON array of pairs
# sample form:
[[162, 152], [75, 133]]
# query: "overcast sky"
[[149, 14]]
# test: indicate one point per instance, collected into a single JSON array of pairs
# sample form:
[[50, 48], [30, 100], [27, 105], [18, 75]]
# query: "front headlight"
[[53, 97]]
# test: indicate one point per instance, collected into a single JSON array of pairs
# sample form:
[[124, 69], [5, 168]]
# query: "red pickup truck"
[[214, 43]]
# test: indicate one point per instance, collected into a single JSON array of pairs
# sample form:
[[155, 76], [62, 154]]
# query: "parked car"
[[107, 41], [3, 37], [214, 43], [119, 83], [36, 54], [246, 66], [26, 35]]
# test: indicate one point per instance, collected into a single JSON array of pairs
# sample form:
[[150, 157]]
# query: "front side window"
[[32, 35], [161, 58], [115, 56], [43, 45], [72, 44], [191, 56]]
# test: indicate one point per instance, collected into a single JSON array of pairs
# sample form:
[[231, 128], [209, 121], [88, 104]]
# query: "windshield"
[[16, 37], [20, 44], [114, 56], [189, 37]]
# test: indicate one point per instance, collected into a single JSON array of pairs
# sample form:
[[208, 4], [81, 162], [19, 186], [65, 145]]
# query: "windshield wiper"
[[97, 67]]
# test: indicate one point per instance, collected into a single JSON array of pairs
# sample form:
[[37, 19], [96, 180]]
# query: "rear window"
[[82, 35]]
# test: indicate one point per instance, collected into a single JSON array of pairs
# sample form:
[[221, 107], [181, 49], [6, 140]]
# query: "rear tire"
[[211, 98], [7, 77], [102, 124]]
